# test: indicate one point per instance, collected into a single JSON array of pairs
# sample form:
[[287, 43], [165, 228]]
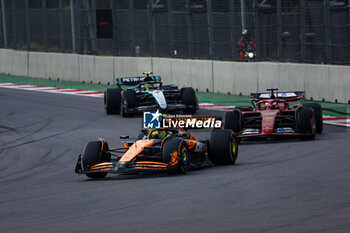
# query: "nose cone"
[[268, 121], [159, 97], [267, 130], [121, 166]]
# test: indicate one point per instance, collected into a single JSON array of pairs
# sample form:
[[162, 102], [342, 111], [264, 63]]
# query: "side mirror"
[[124, 136]]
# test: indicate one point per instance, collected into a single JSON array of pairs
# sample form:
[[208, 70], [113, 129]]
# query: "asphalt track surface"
[[276, 186]]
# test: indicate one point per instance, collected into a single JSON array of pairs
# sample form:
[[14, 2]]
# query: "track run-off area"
[[286, 185]]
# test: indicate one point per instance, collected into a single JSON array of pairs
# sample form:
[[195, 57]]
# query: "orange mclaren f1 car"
[[169, 150]]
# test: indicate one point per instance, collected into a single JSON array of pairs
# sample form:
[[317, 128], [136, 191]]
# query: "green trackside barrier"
[[339, 110]]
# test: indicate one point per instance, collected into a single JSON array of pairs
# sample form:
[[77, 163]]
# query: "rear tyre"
[[175, 153], [318, 115], [92, 155], [112, 100], [233, 121], [223, 147], [128, 102], [306, 122], [188, 97]]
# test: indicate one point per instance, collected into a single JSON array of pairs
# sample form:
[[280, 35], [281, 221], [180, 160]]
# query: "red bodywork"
[[270, 116]]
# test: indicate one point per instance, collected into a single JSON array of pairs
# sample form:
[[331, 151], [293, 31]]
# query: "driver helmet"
[[159, 134], [274, 105], [245, 32], [267, 105], [148, 86]]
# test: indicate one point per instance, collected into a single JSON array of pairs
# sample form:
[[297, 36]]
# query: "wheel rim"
[[122, 109], [184, 156], [105, 100], [313, 126], [233, 149]]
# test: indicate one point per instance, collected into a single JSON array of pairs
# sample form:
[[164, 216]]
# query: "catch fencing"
[[305, 31]]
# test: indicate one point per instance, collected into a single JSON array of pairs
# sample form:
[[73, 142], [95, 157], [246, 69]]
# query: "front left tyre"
[[306, 122], [176, 155], [95, 152], [112, 100], [128, 103], [318, 115]]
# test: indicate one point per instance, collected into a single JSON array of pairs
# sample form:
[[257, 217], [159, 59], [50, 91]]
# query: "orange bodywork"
[[150, 165], [190, 144], [102, 166], [135, 149], [174, 159], [126, 146]]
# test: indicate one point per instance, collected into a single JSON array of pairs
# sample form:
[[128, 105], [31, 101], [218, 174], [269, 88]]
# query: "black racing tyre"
[[188, 97], [318, 115], [112, 100], [223, 147], [178, 163], [244, 108], [92, 155], [306, 122], [233, 121], [128, 101]]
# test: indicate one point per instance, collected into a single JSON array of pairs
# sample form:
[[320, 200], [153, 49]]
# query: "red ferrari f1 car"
[[271, 115], [155, 150]]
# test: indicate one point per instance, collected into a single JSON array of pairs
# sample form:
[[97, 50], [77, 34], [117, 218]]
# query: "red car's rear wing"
[[287, 96]]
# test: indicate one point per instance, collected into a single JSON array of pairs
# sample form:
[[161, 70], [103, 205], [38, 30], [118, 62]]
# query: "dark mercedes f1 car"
[[271, 115], [168, 150], [148, 94]]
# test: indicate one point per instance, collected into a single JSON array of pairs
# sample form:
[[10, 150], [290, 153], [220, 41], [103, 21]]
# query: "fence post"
[[88, 9], [72, 17], [326, 27], [132, 27], [60, 6], [302, 30], [4, 28], [92, 28], [279, 28], [210, 29], [44, 24], [151, 29], [243, 14], [114, 30], [26, 12], [14, 39], [232, 28], [256, 29], [189, 28], [171, 33]]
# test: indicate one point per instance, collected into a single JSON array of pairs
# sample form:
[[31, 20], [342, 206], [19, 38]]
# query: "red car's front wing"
[[275, 134]]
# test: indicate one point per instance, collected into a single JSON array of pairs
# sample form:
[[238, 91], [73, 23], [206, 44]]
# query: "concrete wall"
[[339, 79], [131, 66], [331, 83], [13, 62]]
